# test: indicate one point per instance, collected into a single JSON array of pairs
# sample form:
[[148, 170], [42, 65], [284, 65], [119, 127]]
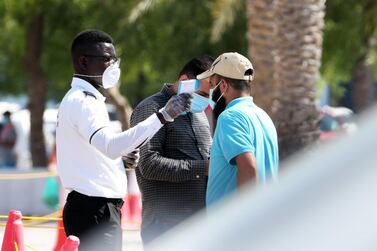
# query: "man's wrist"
[[161, 118], [166, 115]]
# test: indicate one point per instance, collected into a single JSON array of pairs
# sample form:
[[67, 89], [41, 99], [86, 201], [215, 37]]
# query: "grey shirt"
[[171, 168]]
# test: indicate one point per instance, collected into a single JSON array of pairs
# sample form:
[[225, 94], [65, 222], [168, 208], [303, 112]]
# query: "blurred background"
[[315, 60], [307, 54]]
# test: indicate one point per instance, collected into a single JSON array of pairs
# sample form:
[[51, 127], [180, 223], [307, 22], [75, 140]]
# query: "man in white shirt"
[[89, 152]]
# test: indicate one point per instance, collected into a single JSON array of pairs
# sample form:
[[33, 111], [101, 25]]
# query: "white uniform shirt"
[[91, 164]]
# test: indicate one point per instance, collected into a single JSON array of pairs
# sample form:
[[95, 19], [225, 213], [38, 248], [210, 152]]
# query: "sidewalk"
[[43, 239]]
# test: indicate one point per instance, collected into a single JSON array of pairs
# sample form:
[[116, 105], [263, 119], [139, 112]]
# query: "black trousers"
[[95, 220]]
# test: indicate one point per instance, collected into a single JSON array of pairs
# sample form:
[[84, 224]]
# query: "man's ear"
[[83, 62], [223, 85]]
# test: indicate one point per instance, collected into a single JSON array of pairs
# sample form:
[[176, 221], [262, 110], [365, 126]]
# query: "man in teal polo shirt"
[[245, 147]]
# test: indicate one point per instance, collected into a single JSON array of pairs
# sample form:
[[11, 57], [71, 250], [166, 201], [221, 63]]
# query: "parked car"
[[335, 122]]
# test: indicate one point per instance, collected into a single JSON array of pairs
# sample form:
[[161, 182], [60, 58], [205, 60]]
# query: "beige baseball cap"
[[231, 65]]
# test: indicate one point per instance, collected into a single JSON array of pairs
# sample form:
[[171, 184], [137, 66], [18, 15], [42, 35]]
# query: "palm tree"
[[362, 73], [285, 39], [262, 52], [362, 82], [299, 47]]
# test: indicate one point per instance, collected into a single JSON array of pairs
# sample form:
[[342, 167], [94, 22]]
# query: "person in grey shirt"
[[173, 167]]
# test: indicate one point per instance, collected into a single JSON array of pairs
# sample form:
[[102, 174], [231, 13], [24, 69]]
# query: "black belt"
[[75, 194]]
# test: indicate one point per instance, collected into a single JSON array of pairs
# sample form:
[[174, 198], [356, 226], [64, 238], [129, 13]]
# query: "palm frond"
[[142, 7], [224, 14]]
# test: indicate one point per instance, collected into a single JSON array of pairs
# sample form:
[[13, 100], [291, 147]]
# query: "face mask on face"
[[217, 101], [215, 95], [110, 76], [198, 103]]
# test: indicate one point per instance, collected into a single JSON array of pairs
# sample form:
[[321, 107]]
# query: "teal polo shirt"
[[242, 127]]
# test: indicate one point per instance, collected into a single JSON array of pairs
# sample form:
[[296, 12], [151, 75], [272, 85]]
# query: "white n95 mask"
[[111, 75]]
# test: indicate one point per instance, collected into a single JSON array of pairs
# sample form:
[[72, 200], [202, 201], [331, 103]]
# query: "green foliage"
[[153, 48], [348, 25], [163, 37], [225, 12], [11, 50], [161, 41]]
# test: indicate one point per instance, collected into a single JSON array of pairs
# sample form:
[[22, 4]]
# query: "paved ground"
[[43, 238]]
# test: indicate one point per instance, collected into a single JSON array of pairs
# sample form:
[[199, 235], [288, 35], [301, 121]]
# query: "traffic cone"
[[14, 236], [135, 208], [61, 238], [131, 212], [125, 213], [71, 244]]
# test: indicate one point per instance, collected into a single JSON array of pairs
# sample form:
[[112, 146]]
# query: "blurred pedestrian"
[[8, 137], [89, 151], [172, 171], [245, 146]]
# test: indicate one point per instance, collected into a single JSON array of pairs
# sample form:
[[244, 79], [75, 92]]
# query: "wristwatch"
[[161, 118]]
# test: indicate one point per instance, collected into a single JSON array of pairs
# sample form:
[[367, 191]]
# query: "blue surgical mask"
[[198, 103]]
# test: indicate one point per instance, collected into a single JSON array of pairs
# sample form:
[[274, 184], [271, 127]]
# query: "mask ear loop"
[[88, 76], [213, 89], [222, 94], [117, 62], [211, 102]]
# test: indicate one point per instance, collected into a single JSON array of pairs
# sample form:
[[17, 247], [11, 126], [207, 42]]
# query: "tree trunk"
[[299, 48], [262, 35], [122, 106], [37, 89], [362, 85], [140, 91]]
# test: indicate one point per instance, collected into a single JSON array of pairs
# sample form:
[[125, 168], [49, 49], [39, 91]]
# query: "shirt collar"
[[81, 84], [167, 89], [239, 100]]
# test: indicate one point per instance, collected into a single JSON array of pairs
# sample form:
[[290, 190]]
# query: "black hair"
[[85, 40], [196, 66], [6, 114]]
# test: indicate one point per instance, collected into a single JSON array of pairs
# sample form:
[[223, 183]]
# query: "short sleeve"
[[91, 116], [235, 136]]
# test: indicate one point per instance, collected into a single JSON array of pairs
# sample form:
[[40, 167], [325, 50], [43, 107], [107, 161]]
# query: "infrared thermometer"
[[188, 86]]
